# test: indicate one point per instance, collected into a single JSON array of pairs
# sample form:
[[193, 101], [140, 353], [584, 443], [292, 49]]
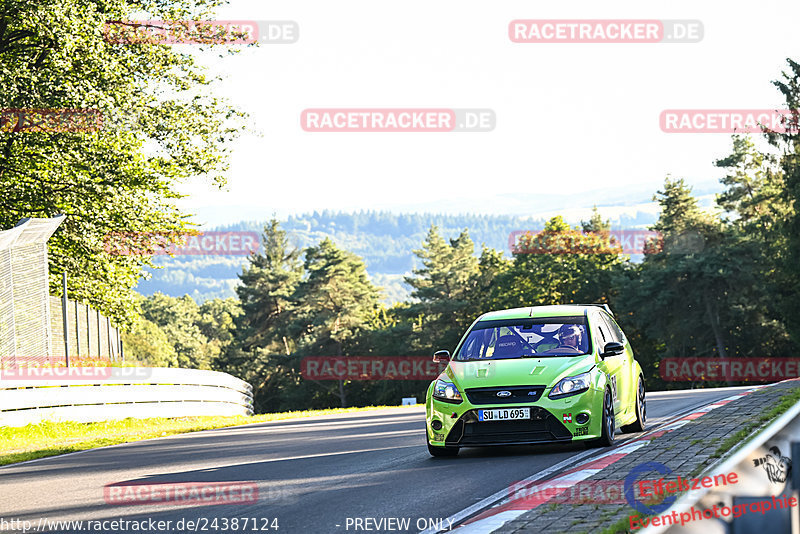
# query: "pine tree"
[[268, 283], [333, 304], [444, 287], [788, 275]]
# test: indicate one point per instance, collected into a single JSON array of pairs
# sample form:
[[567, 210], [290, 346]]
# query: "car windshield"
[[500, 340]]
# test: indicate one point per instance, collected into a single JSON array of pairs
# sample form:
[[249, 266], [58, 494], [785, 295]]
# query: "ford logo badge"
[[503, 393]]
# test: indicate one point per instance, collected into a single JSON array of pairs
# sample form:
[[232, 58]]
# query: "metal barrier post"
[[99, 348], [88, 333], [77, 332], [65, 321]]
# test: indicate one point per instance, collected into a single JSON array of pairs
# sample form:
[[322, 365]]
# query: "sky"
[[573, 120]]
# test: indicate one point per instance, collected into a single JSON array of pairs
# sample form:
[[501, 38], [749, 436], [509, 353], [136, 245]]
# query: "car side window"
[[605, 331], [599, 335], [616, 331]]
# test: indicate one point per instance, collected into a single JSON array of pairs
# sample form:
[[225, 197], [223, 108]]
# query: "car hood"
[[518, 371]]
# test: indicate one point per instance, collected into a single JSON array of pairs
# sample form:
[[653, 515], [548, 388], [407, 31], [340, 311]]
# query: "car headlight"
[[446, 391], [571, 385]]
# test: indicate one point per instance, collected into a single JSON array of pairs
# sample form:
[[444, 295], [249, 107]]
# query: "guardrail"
[[763, 477], [121, 392]]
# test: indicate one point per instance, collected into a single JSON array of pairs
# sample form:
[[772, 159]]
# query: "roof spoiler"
[[604, 306]]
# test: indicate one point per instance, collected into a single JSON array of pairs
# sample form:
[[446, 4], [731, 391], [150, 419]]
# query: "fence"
[[24, 294], [31, 321], [124, 392], [89, 333]]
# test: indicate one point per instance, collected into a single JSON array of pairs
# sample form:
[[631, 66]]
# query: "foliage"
[[147, 343], [160, 126]]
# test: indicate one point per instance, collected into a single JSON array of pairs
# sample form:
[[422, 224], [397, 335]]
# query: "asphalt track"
[[318, 475]]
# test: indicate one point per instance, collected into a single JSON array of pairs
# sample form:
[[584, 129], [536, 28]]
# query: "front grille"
[[518, 394], [542, 427]]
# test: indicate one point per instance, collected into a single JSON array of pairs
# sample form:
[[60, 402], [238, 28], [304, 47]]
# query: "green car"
[[536, 375]]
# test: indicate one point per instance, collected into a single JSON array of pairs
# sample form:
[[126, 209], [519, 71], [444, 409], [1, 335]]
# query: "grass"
[[18, 444]]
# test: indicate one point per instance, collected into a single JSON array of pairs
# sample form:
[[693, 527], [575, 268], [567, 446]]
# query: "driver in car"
[[569, 337]]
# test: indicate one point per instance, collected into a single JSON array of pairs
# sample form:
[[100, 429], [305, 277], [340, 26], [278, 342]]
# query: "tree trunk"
[[714, 320]]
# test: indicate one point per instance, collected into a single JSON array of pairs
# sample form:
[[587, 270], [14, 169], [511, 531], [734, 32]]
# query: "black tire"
[[606, 439], [641, 411], [442, 452]]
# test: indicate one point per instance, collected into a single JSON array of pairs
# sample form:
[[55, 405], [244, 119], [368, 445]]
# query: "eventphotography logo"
[[397, 120], [605, 31]]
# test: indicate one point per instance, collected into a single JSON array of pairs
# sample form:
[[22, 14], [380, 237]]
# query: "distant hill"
[[385, 240]]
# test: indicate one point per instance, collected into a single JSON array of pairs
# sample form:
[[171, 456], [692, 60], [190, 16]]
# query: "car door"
[[612, 365], [625, 380]]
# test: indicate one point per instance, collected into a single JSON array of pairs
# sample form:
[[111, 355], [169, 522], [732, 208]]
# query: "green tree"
[[753, 189], [259, 352], [756, 206], [178, 318], [681, 294], [216, 321], [160, 126], [333, 304], [788, 142], [445, 289], [560, 265], [148, 344], [596, 223], [268, 282]]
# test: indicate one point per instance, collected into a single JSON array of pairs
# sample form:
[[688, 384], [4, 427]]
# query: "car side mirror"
[[612, 349], [441, 356]]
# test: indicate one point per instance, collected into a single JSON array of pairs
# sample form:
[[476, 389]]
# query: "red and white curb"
[[509, 509]]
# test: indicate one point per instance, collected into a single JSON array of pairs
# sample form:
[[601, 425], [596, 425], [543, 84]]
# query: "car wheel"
[[442, 452], [607, 436], [641, 411]]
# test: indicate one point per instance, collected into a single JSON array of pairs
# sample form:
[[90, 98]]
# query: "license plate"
[[505, 414]]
